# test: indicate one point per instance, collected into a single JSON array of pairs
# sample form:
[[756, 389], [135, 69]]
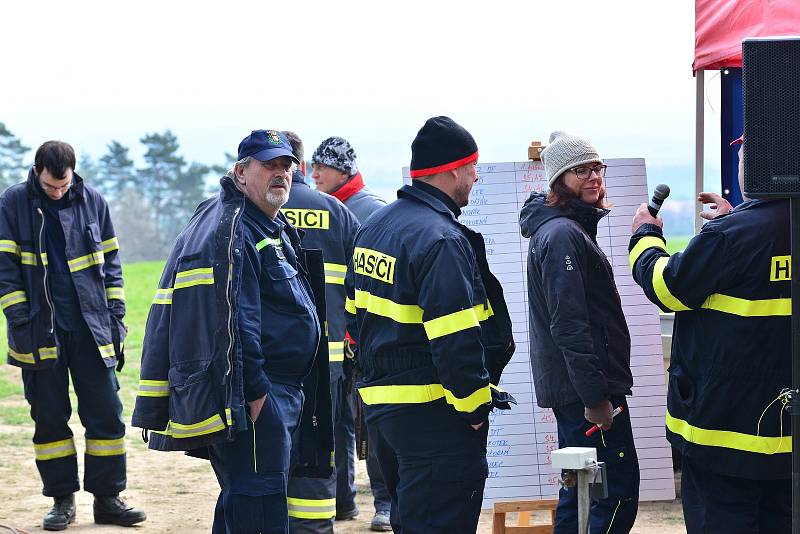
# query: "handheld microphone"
[[661, 192]]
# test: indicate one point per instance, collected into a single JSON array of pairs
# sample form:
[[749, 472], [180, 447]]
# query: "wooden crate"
[[524, 509]]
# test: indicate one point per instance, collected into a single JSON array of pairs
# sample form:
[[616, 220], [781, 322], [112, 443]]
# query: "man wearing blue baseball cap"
[[233, 363]]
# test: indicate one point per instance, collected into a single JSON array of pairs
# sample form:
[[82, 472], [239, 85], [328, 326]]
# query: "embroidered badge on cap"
[[273, 137]]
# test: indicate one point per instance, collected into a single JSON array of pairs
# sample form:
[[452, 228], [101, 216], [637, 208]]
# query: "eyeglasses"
[[47, 188], [584, 173]]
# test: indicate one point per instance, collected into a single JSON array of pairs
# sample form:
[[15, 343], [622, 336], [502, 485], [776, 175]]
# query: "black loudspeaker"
[[771, 98]]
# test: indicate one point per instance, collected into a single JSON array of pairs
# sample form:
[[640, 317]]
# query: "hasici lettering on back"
[[302, 218], [374, 264]]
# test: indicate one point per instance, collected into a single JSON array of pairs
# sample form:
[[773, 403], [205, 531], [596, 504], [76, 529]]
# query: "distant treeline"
[[149, 205]]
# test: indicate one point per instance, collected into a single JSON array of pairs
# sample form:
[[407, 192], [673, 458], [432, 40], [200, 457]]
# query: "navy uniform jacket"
[[429, 318], [330, 227], [92, 254], [731, 347], [203, 355]]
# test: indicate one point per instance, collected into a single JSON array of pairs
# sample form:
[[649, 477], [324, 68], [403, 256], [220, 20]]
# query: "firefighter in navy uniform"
[[330, 227], [433, 333], [234, 364], [731, 361], [56, 235], [336, 173]]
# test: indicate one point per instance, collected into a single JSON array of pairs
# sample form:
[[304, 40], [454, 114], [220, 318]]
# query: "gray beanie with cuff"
[[564, 152]]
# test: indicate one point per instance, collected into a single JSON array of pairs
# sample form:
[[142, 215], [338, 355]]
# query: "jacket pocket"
[[94, 246], [281, 276], [20, 343], [467, 469], [195, 408], [682, 390]]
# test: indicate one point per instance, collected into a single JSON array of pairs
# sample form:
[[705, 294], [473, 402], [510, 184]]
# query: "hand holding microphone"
[[648, 213]]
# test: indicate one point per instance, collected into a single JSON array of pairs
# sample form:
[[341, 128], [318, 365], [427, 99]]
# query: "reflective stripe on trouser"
[[100, 410], [312, 501], [252, 470]]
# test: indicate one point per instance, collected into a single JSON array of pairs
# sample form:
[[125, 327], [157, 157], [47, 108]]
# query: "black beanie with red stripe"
[[441, 145]]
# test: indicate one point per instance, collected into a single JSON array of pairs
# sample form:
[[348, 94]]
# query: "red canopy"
[[720, 26]]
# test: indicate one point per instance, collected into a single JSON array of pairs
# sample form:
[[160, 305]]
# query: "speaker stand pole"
[[794, 405]]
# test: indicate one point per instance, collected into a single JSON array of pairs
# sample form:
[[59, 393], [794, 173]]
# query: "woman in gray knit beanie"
[[574, 170], [579, 340]]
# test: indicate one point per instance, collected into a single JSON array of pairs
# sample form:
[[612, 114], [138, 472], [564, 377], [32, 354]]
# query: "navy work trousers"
[[100, 412], [617, 513], [345, 449], [714, 503], [253, 469], [434, 466]]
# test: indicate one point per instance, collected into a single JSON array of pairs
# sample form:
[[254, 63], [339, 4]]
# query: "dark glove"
[[118, 333], [502, 400], [349, 366]]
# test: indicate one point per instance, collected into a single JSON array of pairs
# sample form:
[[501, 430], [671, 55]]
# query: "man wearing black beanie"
[[433, 333]]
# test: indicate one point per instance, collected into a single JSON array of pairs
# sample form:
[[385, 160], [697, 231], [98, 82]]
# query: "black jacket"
[[429, 317], [92, 254], [330, 227], [731, 344], [579, 340], [191, 386]]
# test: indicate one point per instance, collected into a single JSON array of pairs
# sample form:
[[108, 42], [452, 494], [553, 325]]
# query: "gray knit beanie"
[[564, 152], [336, 152]]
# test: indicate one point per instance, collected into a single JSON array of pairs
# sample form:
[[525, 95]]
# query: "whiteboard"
[[521, 439]]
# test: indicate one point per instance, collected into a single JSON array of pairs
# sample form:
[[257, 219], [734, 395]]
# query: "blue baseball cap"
[[265, 145]]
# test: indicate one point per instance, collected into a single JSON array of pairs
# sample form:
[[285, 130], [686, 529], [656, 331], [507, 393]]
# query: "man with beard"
[[433, 332], [234, 365]]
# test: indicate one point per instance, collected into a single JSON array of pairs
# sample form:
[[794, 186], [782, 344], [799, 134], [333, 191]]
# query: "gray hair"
[[244, 162]]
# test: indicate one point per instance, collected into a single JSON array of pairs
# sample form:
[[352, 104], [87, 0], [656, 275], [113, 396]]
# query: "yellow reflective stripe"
[[163, 296], [642, 245], [453, 322], [153, 388], [350, 306], [21, 357], [77, 264], [43, 256], [109, 244], [336, 351], [48, 353], [207, 426], [194, 277], [29, 258], [311, 508], [334, 280], [115, 293], [660, 287], [749, 308], [401, 313], [728, 439], [15, 297], [105, 447], [54, 449], [276, 242], [106, 351], [6, 245], [338, 267], [417, 394]]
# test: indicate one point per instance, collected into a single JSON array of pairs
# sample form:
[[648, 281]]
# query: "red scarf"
[[353, 186]]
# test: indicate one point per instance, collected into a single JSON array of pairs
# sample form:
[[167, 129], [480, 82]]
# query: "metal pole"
[[699, 145], [584, 503], [794, 406]]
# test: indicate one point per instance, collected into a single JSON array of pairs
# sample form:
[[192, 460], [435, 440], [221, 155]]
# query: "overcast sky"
[[616, 72]]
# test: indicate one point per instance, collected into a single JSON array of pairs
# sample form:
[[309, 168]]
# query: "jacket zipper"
[[44, 266], [228, 293]]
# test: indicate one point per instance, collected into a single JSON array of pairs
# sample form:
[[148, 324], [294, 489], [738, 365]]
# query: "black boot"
[[61, 514], [114, 511]]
